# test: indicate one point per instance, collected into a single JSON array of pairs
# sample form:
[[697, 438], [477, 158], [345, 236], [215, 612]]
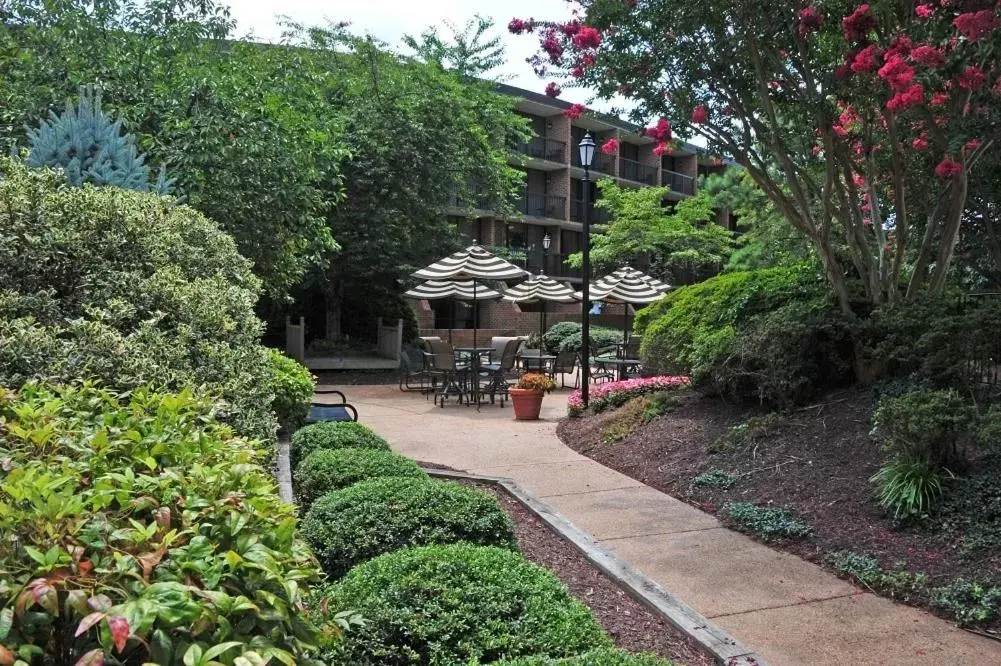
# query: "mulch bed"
[[817, 463], [629, 623]]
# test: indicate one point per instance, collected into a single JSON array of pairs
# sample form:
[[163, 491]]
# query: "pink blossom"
[[928, 56], [810, 20], [518, 26], [858, 180], [577, 72], [913, 96], [972, 145], [575, 111], [552, 46], [816, 150], [971, 78], [700, 114], [897, 73], [629, 388], [924, 11], [974, 25], [867, 60], [901, 46], [661, 149], [859, 23], [939, 98], [570, 29], [919, 144], [948, 168], [552, 89], [660, 132], [610, 147], [587, 38]]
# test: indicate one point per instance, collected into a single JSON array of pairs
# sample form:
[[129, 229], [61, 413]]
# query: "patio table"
[[622, 364], [475, 355], [542, 363]]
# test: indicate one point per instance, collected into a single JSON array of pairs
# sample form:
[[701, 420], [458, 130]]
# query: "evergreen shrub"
[[333, 435], [326, 470]]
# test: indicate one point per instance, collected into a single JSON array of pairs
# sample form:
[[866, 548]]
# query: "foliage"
[[714, 478], [753, 431], [325, 470], [926, 424], [683, 246], [333, 435], [565, 336], [89, 147], [768, 523], [469, 52], [972, 510], [292, 385], [969, 603], [235, 122], [603, 657], [771, 334], [137, 529], [616, 394], [123, 287], [910, 486], [626, 420], [865, 569], [369, 518], [659, 404], [458, 604], [535, 381], [830, 106]]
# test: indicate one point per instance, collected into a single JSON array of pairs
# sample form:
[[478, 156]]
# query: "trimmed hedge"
[[369, 518], [603, 657], [292, 384], [332, 469], [333, 435], [460, 604]]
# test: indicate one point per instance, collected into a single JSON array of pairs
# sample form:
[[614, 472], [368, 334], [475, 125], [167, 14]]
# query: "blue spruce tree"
[[90, 148]]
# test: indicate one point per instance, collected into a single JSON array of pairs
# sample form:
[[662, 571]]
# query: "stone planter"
[[527, 403]]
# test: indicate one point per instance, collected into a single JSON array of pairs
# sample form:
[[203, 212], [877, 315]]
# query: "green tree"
[[469, 51], [681, 246]]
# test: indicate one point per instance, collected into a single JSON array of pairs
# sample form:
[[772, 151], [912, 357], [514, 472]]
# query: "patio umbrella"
[[629, 287], [462, 290], [473, 263], [544, 289]]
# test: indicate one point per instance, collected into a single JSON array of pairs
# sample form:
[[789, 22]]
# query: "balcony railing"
[[544, 149], [595, 215], [635, 171], [475, 201], [554, 264], [541, 205], [677, 182], [601, 162]]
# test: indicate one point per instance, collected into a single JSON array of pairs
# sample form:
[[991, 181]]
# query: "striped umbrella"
[[542, 289], [629, 287], [473, 263], [462, 290]]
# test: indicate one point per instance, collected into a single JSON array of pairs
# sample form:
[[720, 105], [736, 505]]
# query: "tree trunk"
[[334, 297]]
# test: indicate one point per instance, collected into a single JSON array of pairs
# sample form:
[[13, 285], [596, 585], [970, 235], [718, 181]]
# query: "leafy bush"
[[616, 394], [753, 431], [377, 516], [333, 435], [292, 385], [125, 288], [714, 478], [332, 469], [909, 486], [969, 603], [460, 604], [138, 529], [772, 334], [602, 657], [565, 336], [972, 509], [769, 523], [865, 569]]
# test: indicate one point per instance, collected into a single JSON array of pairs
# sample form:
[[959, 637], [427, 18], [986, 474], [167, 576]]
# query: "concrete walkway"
[[787, 610]]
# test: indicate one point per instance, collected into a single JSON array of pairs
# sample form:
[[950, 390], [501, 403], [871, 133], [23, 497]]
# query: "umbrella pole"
[[476, 311], [625, 327], [542, 327]]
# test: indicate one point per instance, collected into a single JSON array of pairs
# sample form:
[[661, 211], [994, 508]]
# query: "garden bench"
[[321, 411]]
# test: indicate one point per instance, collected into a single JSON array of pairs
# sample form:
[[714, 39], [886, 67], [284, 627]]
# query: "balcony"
[[640, 173], [541, 205], [602, 163], [544, 149], [677, 182], [476, 202], [554, 264], [595, 215]]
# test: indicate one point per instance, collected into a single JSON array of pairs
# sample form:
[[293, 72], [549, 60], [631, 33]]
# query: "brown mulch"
[[817, 463], [630, 625]]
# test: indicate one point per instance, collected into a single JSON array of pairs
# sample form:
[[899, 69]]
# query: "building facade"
[[552, 204]]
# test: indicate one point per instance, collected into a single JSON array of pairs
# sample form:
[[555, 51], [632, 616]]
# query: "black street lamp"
[[586, 157], [547, 240]]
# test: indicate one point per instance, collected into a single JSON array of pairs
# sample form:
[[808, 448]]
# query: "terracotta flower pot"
[[527, 403]]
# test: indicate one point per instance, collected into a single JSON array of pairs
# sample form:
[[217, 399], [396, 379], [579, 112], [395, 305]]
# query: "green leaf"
[[217, 650], [193, 655], [6, 621]]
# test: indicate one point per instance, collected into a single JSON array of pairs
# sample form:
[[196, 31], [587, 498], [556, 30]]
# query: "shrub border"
[[723, 647]]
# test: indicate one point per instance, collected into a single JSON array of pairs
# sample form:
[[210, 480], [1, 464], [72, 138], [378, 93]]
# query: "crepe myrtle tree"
[[863, 123]]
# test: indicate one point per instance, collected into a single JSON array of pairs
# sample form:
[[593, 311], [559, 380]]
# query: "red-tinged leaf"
[[150, 560], [99, 602], [92, 658], [162, 517], [24, 601], [85, 567], [47, 598], [119, 631], [88, 622], [6, 657]]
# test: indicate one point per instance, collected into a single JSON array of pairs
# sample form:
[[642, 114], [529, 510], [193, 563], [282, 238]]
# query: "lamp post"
[[546, 242], [586, 157]]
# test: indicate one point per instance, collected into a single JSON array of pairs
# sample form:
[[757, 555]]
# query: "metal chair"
[[497, 372], [321, 411], [566, 362], [446, 371], [413, 368]]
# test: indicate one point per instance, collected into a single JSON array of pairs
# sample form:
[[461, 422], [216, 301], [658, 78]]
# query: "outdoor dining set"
[[476, 373]]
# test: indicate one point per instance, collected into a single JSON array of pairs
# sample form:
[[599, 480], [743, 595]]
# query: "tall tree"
[[861, 123], [469, 51]]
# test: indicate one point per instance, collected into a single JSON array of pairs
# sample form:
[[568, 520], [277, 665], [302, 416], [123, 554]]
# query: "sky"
[[389, 20]]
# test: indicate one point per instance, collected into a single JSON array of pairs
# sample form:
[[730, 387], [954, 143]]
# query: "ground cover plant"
[[768, 523], [616, 394], [139, 529], [594, 658]]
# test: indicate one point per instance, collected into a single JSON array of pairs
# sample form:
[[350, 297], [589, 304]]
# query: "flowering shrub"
[[618, 393], [533, 380]]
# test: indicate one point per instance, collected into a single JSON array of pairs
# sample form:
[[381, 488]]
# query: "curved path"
[[787, 610]]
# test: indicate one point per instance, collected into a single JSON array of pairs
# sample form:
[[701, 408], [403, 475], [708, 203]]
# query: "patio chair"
[[632, 351], [445, 371], [566, 362], [322, 411], [497, 372], [413, 370]]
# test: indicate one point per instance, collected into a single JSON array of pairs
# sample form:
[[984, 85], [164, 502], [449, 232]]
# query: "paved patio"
[[784, 608]]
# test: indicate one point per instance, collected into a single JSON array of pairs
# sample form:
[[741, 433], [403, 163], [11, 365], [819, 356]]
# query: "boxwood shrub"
[[460, 604], [332, 469], [602, 657], [373, 517], [333, 435], [292, 384]]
